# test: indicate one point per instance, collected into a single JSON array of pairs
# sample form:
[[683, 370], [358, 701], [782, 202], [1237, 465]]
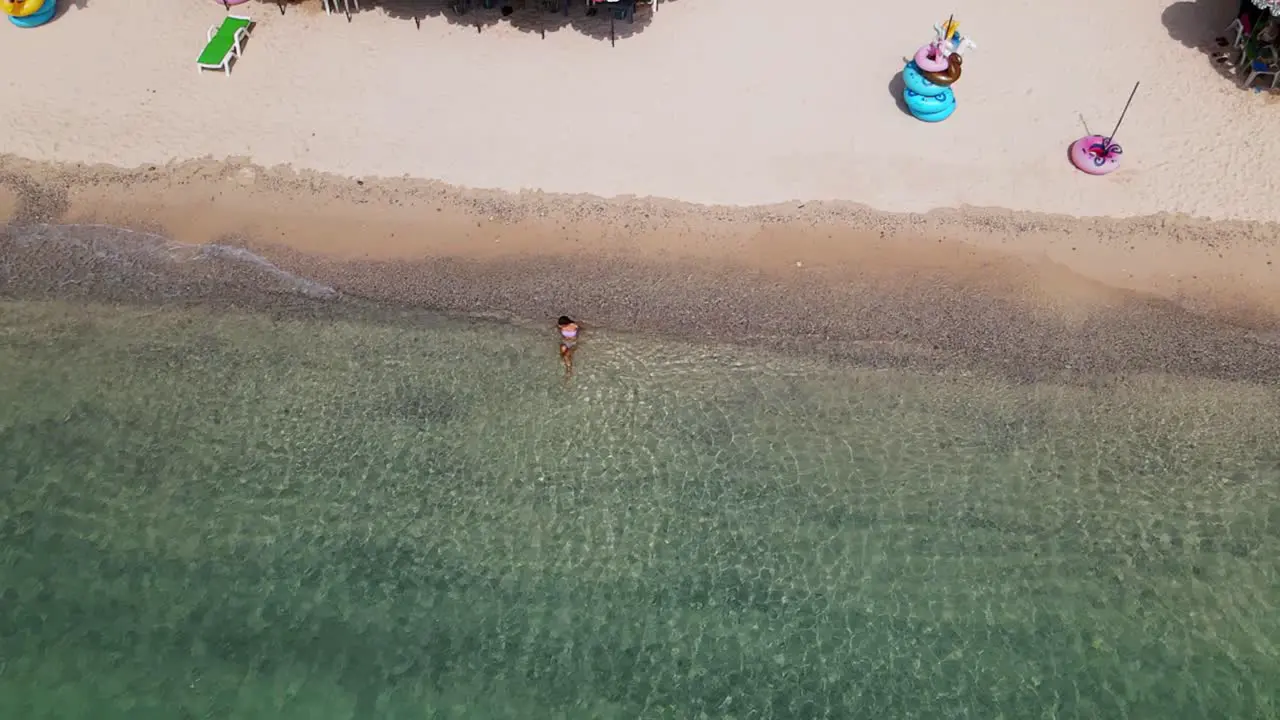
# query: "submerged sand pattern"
[[217, 512]]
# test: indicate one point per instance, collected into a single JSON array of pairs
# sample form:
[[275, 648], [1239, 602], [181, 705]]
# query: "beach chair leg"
[[1236, 28]]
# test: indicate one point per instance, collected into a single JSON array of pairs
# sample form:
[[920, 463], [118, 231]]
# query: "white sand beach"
[[710, 101]]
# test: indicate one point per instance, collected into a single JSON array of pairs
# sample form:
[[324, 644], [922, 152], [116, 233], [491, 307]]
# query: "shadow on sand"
[[1202, 25], [532, 16], [66, 6], [896, 86]]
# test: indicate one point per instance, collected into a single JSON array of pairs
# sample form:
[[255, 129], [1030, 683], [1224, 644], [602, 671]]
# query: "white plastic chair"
[[1236, 27], [1266, 53], [332, 5], [1261, 68]]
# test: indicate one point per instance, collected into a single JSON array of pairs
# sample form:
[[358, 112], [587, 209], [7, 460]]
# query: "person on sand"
[[569, 331]]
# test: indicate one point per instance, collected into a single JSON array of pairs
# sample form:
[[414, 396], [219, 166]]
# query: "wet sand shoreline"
[[1031, 297]]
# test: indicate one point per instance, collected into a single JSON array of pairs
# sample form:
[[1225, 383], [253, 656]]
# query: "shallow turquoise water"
[[227, 516]]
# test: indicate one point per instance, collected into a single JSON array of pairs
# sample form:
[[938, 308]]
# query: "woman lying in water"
[[569, 331]]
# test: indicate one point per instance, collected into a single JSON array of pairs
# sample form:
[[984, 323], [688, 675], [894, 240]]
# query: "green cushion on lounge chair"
[[217, 51]]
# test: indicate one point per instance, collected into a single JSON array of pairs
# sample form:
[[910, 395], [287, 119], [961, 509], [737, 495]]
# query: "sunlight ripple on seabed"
[[224, 514]]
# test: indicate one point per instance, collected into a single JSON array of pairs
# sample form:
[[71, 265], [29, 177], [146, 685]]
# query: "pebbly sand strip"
[[1030, 296]]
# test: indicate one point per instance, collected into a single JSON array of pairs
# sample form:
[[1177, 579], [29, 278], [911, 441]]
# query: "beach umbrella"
[[1272, 6]]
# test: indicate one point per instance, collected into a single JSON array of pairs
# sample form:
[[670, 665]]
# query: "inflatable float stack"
[[29, 13], [927, 81], [929, 75]]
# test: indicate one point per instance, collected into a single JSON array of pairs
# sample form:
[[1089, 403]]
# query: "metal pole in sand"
[[1111, 138]]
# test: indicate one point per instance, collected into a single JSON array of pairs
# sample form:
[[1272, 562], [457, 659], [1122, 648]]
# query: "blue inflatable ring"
[[926, 101], [37, 18]]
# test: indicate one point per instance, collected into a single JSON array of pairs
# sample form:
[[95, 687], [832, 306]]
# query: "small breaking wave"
[[304, 286], [109, 260]]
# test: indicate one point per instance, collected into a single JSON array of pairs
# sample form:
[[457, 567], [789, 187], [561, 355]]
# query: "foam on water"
[[212, 514], [130, 250]]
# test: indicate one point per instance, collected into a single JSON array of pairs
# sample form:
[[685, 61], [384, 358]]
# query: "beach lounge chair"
[[225, 43]]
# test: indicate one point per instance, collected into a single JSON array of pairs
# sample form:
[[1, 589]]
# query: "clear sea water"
[[213, 514]]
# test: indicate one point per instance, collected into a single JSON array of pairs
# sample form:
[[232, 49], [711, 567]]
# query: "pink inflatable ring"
[[930, 58], [1095, 155]]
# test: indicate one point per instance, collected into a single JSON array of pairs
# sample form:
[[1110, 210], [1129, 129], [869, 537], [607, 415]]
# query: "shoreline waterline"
[[1208, 266], [1011, 319], [288, 483], [294, 479]]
